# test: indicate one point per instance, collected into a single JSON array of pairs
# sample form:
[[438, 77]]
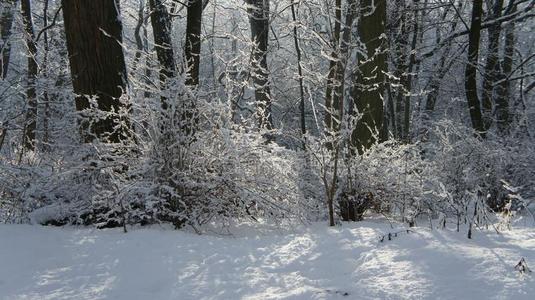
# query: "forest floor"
[[344, 262]]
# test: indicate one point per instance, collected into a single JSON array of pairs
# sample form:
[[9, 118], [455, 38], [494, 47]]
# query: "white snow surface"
[[316, 262]]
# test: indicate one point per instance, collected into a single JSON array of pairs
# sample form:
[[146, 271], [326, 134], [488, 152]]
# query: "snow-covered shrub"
[[219, 173], [467, 165]]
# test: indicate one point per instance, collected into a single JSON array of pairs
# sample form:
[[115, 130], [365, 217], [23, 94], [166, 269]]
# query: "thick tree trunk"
[[471, 69], [259, 20], [369, 87], [31, 97], [94, 37], [193, 41], [491, 71], [6, 23]]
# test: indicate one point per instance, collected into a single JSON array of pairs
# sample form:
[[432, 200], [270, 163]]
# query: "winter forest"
[[267, 149]]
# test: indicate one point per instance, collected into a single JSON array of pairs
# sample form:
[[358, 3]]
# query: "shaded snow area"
[[346, 262]]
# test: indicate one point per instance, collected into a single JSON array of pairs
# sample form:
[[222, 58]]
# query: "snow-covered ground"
[[346, 262]]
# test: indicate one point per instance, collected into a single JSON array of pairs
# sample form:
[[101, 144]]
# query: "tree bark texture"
[[94, 37]]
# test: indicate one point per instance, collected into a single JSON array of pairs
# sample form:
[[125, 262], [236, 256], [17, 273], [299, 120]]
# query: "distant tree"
[[94, 37]]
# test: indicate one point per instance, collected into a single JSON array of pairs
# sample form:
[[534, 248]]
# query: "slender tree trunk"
[[401, 45], [491, 71], [193, 41], [409, 80], [300, 74], [369, 87], [503, 118], [46, 115], [6, 23], [259, 19], [31, 97], [161, 27], [94, 37], [137, 34], [471, 69], [333, 107]]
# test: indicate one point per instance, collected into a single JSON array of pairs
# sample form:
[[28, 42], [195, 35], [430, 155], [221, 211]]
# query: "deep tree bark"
[[369, 86], [503, 91], [31, 97], [193, 41], [94, 37], [491, 70], [258, 11], [471, 69], [6, 23]]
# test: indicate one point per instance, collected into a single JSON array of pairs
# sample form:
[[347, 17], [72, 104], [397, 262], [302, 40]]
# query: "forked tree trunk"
[[94, 37]]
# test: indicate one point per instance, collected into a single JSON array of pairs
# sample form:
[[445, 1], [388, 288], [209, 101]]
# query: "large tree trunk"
[[470, 73], [31, 97], [259, 19], [492, 66], [369, 87], [193, 41], [6, 22], [94, 37]]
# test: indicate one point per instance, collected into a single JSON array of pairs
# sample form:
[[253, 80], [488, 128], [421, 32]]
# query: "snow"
[[316, 262]]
